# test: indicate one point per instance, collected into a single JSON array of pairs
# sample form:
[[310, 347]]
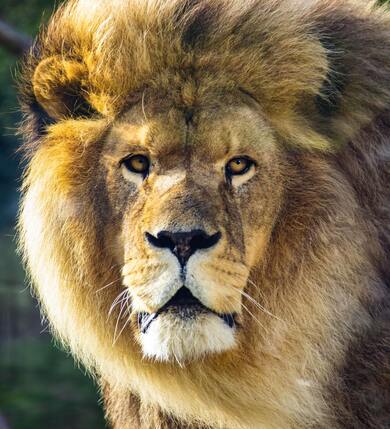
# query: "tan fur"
[[300, 87]]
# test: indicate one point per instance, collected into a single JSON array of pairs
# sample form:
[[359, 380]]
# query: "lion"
[[205, 208]]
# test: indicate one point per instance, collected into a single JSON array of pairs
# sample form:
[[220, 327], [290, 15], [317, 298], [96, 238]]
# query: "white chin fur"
[[171, 338]]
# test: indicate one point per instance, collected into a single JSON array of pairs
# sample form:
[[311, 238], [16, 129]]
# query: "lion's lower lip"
[[186, 306], [146, 319], [229, 319]]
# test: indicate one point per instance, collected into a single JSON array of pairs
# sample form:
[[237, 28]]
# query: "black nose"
[[183, 244]]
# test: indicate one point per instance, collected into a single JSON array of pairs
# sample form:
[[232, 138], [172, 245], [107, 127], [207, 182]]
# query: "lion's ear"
[[357, 86], [59, 87]]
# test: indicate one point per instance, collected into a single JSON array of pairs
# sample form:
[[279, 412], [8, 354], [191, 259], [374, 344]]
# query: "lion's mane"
[[320, 70]]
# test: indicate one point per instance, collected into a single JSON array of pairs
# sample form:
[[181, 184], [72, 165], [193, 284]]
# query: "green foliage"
[[41, 388]]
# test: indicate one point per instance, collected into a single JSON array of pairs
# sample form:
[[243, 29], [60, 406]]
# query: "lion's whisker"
[[108, 284], [249, 312], [124, 305], [120, 296], [123, 328], [117, 301], [256, 303]]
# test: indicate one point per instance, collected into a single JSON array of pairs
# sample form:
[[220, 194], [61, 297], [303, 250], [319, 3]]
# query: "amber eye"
[[238, 166], [137, 164]]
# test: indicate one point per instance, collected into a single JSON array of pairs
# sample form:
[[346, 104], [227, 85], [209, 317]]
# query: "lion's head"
[[194, 202], [184, 208]]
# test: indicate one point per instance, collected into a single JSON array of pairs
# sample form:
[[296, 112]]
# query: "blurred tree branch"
[[13, 40]]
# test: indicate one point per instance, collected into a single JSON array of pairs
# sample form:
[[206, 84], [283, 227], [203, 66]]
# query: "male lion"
[[205, 210]]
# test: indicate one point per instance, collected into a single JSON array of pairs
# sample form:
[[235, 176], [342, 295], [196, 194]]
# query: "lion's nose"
[[183, 244]]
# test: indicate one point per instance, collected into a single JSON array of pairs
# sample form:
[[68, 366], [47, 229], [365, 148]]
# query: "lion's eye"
[[238, 166], [137, 164]]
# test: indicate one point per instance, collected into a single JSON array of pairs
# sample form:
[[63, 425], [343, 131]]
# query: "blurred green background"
[[40, 385]]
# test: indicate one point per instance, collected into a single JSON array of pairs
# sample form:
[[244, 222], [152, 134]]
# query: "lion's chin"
[[171, 338]]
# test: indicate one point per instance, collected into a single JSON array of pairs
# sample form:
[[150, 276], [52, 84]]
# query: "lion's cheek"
[[217, 283], [256, 245]]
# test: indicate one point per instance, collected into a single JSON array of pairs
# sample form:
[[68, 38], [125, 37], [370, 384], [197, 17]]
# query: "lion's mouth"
[[184, 305]]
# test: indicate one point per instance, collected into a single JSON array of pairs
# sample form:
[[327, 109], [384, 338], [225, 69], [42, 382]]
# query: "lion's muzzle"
[[184, 305]]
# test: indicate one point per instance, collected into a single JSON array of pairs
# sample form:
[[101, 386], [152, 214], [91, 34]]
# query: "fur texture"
[[302, 88]]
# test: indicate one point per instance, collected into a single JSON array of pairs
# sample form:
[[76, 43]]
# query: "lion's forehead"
[[210, 135]]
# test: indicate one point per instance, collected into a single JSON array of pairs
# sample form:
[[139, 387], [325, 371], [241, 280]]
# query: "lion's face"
[[194, 202]]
